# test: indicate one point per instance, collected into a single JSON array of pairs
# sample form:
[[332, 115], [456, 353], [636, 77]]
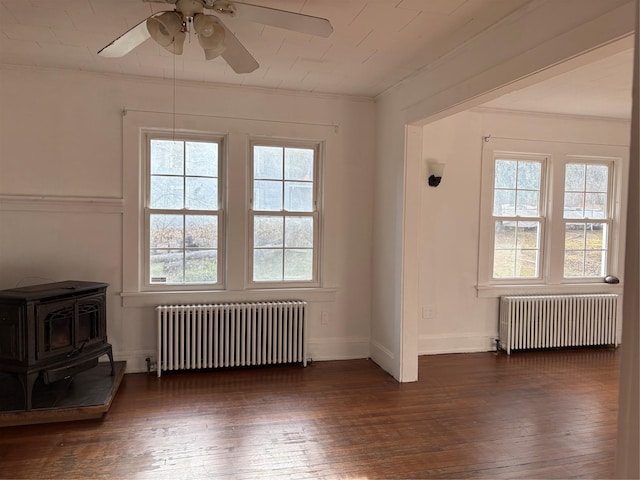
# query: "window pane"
[[166, 231], [505, 235], [597, 178], [267, 162], [574, 205], [201, 266], [202, 159], [574, 264], [574, 177], [595, 205], [201, 231], [167, 157], [586, 191], [585, 252], [505, 174], [202, 193], [268, 232], [517, 188], [267, 265], [527, 203], [529, 175], [504, 264], [527, 235], [166, 266], [298, 265], [504, 203], [594, 263], [298, 196], [298, 164], [527, 264], [267, 195], [298, 232], [575, 236], [516, 250], [166, 192]]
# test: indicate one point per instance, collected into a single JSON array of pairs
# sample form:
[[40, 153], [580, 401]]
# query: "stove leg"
[[110, 354], [27, 382]]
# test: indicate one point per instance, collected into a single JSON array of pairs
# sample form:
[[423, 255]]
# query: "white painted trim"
[[63, 204], [467, 343], [337, 348], [152, 299], [382, 356], [138, 79], [545, 115], [495, 291], [318, 349], [410, 295]]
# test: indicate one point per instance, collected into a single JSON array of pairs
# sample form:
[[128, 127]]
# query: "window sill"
[[152, 299], [495, 291]]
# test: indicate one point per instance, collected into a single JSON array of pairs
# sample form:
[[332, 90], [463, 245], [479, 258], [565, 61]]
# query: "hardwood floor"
[[530, 415]]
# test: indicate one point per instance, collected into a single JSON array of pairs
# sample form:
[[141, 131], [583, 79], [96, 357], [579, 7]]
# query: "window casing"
[[284, 217], [184, 212], [551, 214]]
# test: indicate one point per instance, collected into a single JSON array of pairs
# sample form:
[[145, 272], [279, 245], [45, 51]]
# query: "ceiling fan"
[[169, 29]]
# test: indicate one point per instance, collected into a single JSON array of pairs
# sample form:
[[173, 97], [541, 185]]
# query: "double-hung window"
[[587, 218], [518, 216], [549, 216], [284, 215], [183, 212]]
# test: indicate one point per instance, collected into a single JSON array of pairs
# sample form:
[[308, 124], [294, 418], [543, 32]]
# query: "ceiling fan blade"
[[297, 22], [127, 41], [236, 55]]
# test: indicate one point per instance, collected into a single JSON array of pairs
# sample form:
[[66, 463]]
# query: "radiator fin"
[[230, 335], [551, 321]]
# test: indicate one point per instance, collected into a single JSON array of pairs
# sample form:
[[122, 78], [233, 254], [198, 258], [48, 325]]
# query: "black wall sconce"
[[435, 171]]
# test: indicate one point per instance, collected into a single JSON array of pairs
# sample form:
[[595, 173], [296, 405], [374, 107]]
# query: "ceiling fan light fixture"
[[164, 28], [211, 35], [204, 25], [176, 47]]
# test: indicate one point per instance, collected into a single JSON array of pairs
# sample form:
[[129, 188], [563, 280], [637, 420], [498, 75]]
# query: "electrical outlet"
[[324, 318], [427, 311]]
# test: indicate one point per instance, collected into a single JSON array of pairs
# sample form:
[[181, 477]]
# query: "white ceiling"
[[601, 88], [375, 44]]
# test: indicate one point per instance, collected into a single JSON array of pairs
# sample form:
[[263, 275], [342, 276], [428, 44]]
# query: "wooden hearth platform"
[[87, 395]]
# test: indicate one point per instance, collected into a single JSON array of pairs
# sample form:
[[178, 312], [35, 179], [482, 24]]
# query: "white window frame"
[[220, 212], [316, 214], [551, 274], [608, 220], [236, 134], [541, 218]]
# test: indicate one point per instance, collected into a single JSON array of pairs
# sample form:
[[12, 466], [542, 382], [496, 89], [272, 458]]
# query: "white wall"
[[63, 195], [460, 320]]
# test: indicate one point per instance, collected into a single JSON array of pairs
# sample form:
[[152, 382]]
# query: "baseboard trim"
[[437, 344], [384, 358], [337, 348]]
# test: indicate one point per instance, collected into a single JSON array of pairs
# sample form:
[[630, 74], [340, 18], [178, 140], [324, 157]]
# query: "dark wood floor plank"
[[530, 415]]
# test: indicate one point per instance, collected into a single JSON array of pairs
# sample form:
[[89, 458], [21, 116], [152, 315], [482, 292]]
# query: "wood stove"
[[52, 330]]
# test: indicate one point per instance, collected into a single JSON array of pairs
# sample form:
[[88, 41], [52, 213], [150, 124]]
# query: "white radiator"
[[230, 335], [550, 321]]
